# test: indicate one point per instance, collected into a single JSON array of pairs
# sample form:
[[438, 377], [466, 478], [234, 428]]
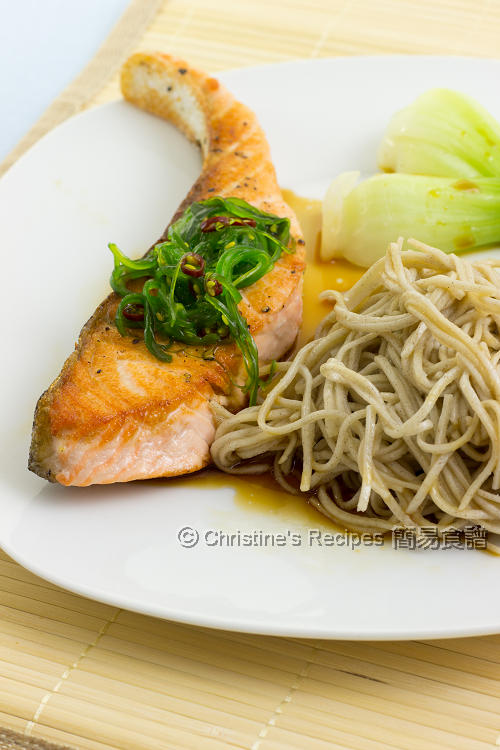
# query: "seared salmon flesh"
[[116, 413]]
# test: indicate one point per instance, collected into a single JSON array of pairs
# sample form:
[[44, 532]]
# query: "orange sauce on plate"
[[258, 493], [261, 493], [338, 274]]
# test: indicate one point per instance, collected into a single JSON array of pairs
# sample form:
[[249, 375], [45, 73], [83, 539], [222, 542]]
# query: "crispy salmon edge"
[[41, 424]]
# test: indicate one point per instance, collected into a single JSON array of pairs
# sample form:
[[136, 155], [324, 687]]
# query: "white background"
[[43, 45]]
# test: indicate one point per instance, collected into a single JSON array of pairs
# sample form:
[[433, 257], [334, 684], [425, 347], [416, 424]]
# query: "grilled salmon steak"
[[116, 413]]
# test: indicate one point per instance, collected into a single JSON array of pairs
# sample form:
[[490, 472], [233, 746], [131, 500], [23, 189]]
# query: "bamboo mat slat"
[[130, 681], [232, 33], [86, 675]]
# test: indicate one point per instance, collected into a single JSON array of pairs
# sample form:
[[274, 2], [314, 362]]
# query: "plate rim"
[[257, 628]]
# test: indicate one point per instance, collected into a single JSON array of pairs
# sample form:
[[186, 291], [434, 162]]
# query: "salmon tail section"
[[236, 155], [170, 89]]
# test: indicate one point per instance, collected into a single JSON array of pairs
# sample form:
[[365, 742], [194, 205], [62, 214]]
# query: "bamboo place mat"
[[85, 675]]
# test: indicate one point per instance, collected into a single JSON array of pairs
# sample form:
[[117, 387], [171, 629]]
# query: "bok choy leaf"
[[443, 133]]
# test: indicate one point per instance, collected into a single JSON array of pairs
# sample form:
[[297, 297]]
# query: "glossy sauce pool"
[[319, 275], [262, 493]]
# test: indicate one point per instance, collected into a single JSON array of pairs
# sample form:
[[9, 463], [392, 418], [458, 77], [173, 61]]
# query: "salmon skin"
[[116, 413]]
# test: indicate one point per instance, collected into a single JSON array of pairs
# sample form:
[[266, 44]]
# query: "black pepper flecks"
[[210, 190], [98, 371], [169, 88], [265, 309], [182, 71], [135, 341], [300, 242], [240, 154]]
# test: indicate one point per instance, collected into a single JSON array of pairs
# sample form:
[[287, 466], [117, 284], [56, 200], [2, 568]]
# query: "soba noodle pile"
[[391, 415]]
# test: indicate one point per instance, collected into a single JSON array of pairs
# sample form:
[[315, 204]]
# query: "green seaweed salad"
[[192, 279]]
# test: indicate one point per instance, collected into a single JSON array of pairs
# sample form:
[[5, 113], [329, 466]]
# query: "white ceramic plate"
[[116, 173]]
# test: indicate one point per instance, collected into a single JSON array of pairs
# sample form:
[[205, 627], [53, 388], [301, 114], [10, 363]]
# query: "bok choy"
[[444, 151], [443, 133], [455, 215]]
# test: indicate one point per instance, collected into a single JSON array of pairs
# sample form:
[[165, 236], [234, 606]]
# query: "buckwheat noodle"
[[391, 415]]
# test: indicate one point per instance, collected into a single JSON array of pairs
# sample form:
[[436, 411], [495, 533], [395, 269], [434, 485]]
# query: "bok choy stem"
[[454, 215]]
